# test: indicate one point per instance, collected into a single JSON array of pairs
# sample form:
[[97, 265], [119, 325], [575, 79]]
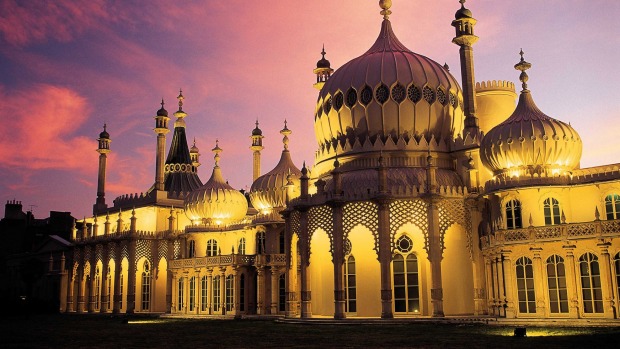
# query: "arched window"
[[556, 281], [513, 214], [241, 249], [591, 283], [97, 289], [215, 297], [191, 250], [230, 287], [192, 293], [120, 293], [180, 294], [525, 286], [146, 286], [242, 293], [405, 275], [282, 293], [260, 242], [612, 206], [617, 268], [211, 248], [282, 243], [350, 286], [109, 286], [552, 211], [204, 289]]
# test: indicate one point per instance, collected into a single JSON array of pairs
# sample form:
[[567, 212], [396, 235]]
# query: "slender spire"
[[180, 98], [523, 66], [385, 8], [217, 150], [285, 132]]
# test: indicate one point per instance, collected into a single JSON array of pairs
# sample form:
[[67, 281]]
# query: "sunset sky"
[[69, 66]]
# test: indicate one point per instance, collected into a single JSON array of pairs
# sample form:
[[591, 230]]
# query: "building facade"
[[427, 198]]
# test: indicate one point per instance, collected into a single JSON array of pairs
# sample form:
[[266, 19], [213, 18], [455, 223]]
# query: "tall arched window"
[[97, 289], [230, 287], [405, 275], [215, 297], [556, 281], [242, 293], [211, 248], [204, 288], [552, 211], [617, 268], [282, 293], [612, 206], [260, 242], [192, 293], [146, 286], [350, 286], [591, 283], [241, 249], [191, 250], [525, 286], [513, 214], [282, 243], [180, 294], [109, 286]]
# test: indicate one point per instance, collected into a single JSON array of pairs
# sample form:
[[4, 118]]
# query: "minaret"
[[194, 154], [161, 128], [464, 24], [257, 146], [323, 71], [103, 150]]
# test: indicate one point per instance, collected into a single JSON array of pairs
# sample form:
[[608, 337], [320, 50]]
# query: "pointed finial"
[[323, 51], [105, 126], [446, 66], [597, 215], [217, 150], [256, 122], [162, 103], [523, 66], [462, 3], [180, 98], [194, 142], [385, 8], [285, 132]]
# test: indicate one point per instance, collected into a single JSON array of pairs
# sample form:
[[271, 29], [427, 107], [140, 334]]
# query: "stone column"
[[501, 285], [105, 297], [306, 295], [223, 290], [490, 289], [91, 288], [509, 284], [338, 259], [572, 279], [275, 274], [70, 290], [236, 292], [260, 289], [385, 257], [209, 290], [539, 281], [116, 307], [131, 277], [169, 283], [80, 291], [606, 280], [435, 255]]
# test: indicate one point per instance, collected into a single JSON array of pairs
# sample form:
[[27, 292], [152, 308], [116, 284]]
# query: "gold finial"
[[462, 3], [323, 51], [217, 150], [180, 98], [285, 132], [385, 6], [162, 103], [523, 66], [256, 122]]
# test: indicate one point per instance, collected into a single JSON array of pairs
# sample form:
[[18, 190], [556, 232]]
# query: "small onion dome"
[[194, 149], [104, 134], [257, 131], [463, 12], [162, 111], [216, 202], [529, 141], [323, 63], [270, 190]]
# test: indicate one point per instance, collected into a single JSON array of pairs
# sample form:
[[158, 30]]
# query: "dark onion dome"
[[162, 111], [463, 12], [323, 63], [257, 131], [104, 134]]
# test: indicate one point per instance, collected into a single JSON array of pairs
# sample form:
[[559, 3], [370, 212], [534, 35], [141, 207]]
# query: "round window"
[[404, 244]]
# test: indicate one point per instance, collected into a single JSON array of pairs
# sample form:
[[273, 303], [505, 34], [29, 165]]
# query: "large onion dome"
[[529, 141], [389, 91], [216, 202], [272, 189]]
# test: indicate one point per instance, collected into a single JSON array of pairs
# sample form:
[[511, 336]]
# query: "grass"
[[98, 331]]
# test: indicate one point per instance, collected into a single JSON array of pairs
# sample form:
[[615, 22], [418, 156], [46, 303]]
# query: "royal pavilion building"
[[427, 198]]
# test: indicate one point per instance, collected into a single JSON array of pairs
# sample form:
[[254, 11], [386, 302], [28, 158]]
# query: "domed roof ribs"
[[387, 40]]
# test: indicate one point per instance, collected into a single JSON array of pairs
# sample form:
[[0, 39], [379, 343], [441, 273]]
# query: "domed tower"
[[194, 154], [271, 190], [216, 202], [180, 173], [530, 142], [495, 102], [323, 71], [464, 24], [391, 100], [103, 150], [256, 147], [161, 129]]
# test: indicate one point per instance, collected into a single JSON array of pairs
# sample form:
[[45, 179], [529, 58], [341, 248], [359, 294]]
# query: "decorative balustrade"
[[571, 231], [231, 259], [138, 234]]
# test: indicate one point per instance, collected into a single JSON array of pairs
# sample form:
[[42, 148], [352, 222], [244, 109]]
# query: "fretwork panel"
[[408, 211], [451, 212], [321, 217], [362, 213]]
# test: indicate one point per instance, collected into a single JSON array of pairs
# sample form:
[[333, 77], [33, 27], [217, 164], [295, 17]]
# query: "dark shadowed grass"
[[98, 331]]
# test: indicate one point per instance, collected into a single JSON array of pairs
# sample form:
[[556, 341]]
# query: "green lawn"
[[98, 331]]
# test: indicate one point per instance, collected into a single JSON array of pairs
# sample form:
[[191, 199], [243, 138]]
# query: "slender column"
[[116, 308], [105, 297], [509, 284], [606, 282], [169, 283], [260, 289], [70, 290], [572, 282], [131, 278], [385, 258], [490, 291], [209, 290], [306, 295], [435, 256], [236, 292], [275, 274], [80, 292], [539, 288], [501, 285], [338, 259], [223, 290]]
